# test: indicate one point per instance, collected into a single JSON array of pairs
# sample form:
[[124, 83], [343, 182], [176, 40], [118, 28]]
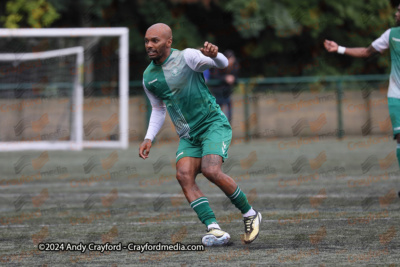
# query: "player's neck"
[[162, 59]]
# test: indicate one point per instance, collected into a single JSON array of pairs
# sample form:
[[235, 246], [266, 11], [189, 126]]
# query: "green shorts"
[[394, 112], [215, 140]]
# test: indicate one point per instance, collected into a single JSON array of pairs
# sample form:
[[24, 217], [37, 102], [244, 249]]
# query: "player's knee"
[[184, 176], [211, 172]]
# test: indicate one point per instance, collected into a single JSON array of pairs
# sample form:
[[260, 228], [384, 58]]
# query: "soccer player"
[[389, 39], [174, 81]]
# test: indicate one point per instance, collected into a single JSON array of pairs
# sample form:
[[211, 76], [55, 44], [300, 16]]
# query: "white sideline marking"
[[221, 195], [168, 222]]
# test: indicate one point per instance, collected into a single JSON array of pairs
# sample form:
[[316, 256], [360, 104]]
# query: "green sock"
[[203, 210], [239, 199], [398, 154]]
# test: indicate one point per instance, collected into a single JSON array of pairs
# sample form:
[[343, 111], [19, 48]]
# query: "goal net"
[[26, 80], [63, 88]]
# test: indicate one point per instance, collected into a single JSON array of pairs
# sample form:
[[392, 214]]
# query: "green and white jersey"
[[391, 39], [178, 85]]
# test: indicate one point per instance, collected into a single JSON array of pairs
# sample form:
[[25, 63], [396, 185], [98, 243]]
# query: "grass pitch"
[[323, 202]]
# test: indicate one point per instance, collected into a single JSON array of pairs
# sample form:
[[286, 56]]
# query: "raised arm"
[[208, 57], [331, 46], [379, 45]]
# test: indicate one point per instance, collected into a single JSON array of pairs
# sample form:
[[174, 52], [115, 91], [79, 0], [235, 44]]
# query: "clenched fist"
[[331, 46], [209, 50]]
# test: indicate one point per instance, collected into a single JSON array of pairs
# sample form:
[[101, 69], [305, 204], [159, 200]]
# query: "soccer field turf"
[[323, 202]]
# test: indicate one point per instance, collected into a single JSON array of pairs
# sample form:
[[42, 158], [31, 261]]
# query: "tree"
[[286, 37], [29, 13], [270, 38]]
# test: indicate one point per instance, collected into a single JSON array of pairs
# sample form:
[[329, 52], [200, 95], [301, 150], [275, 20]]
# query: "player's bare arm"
[[144, 149], [209, 50], [332, 46]]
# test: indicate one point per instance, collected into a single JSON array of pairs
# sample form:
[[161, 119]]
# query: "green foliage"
[[291, 33], [270, 38], [29, 13], [185, 33]]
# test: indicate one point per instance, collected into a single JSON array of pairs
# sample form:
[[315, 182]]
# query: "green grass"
[[321, 220]]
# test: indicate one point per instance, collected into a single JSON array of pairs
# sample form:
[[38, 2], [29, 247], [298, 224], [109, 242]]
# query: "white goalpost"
[[75, 142], [79, 60]]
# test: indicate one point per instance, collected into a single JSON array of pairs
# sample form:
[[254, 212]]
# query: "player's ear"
[[169, 42]]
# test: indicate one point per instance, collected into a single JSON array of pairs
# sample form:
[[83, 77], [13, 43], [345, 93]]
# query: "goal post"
[[75, 142], [86, 121]]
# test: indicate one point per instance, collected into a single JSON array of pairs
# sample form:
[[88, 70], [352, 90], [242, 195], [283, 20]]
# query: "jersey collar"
[[172, 50]]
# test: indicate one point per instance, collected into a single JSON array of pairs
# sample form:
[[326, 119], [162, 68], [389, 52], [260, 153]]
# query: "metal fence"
[[305, 106]]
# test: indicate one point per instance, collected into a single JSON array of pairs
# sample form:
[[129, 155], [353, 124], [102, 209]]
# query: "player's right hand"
[[209, 50], [144, 149], [331, 46]]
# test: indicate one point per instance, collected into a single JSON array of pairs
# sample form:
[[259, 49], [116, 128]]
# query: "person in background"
[[227, 78], [206, 74]]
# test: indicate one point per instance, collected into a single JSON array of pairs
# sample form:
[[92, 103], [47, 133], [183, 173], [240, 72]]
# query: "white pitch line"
[[173, 222], [221, 195]]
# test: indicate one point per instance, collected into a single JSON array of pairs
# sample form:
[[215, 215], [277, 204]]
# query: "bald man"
[[174, 81]]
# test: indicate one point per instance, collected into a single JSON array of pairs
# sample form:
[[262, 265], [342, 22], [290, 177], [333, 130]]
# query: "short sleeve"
[[382, 43]]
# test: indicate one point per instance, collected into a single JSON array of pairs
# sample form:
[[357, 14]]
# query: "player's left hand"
[[209, 50]]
